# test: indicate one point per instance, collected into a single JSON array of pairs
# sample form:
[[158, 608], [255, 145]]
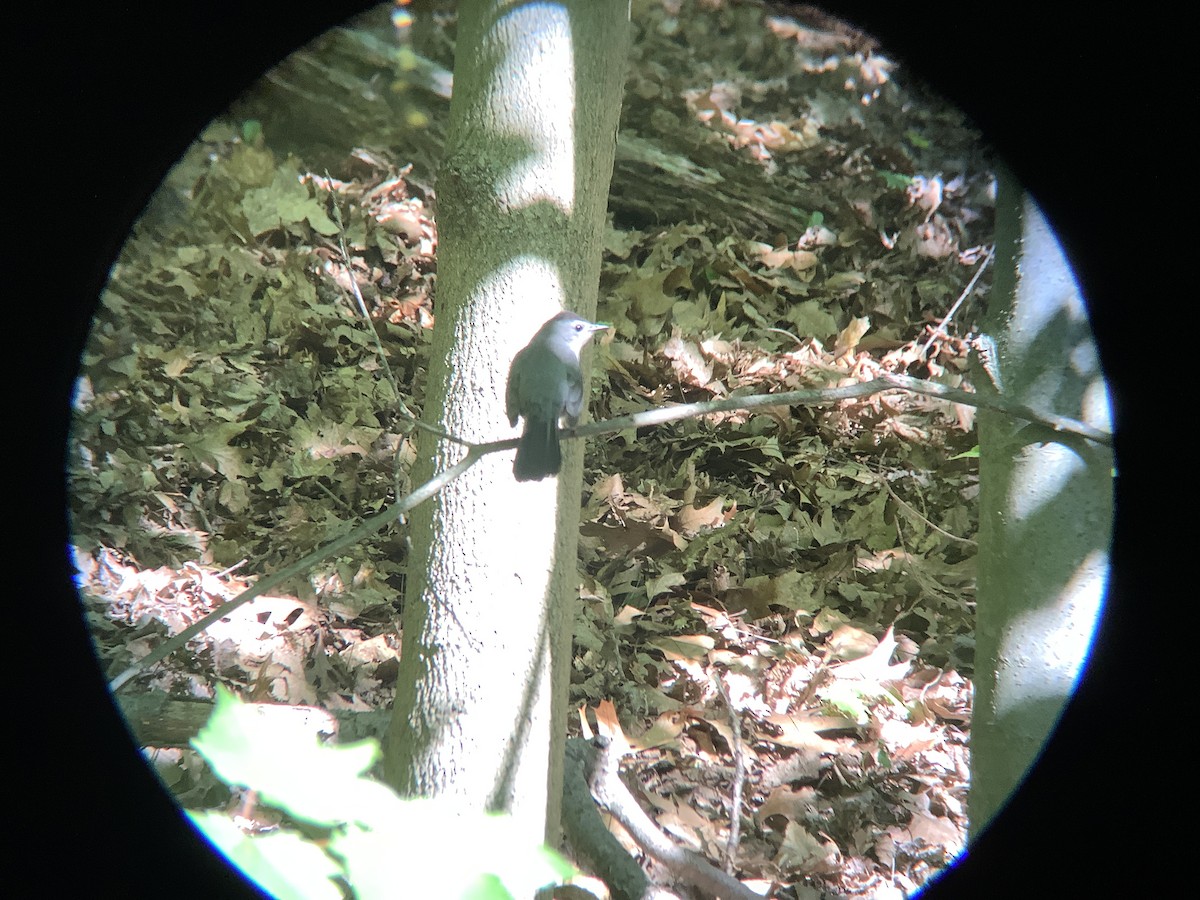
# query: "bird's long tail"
[[538, 454]]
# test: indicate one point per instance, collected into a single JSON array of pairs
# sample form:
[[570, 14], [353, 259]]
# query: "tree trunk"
[[1046, 507], [479, 716]]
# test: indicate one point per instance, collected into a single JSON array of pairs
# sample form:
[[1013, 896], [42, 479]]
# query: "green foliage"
[[917, 139], [252, 131], [896, 180], [284, 864], [226, 391], [372, 841], [855, 699]]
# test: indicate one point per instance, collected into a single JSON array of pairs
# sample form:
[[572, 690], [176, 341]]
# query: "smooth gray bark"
[[1046, 507], [480, 710]]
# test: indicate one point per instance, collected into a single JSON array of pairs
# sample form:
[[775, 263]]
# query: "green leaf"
[[252, 131], [285, 201], [501, 862], [847, 700], [917, 139], [810, 319], [663, 584], [212, 448], [283, 864], [895, 180], [845, 281], [280, 759]]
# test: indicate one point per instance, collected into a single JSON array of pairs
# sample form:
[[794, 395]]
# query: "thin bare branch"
[[857, 391], [739, 774], [301, 566], [649, 417]]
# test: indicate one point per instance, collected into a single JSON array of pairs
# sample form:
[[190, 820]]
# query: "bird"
[[545, 384]]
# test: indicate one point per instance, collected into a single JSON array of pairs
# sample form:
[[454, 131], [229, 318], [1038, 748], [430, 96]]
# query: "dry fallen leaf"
[[805, 853], [692, 520]]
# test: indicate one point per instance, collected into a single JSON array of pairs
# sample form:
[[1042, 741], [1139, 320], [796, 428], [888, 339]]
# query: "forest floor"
[[788, 592]]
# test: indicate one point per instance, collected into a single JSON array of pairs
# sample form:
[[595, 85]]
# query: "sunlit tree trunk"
[[1046, 506], [480, 708]]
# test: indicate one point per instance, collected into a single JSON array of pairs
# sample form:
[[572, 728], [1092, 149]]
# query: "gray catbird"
[[544, 384]]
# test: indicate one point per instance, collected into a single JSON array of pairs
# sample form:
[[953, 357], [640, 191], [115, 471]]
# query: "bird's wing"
[[573, 394], [510, 393]]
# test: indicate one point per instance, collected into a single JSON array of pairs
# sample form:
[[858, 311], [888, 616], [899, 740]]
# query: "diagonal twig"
[[966, 292], [366, 529], [885, 382], [739, 776]]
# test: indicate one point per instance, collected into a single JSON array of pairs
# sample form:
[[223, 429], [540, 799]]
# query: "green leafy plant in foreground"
[[377, 844]]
